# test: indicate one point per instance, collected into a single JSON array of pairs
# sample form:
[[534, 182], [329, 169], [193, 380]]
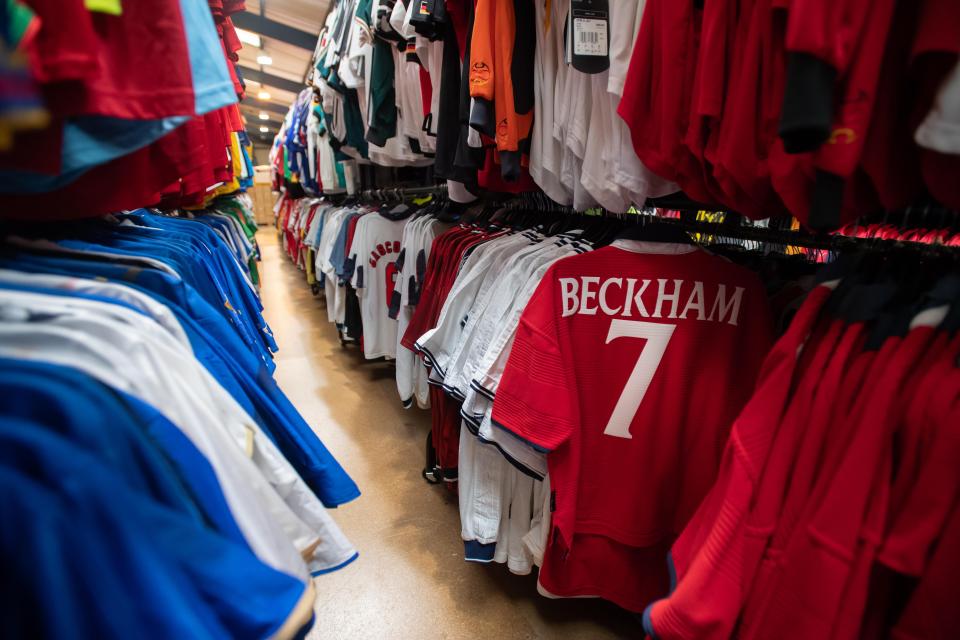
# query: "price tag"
[[589, 37]]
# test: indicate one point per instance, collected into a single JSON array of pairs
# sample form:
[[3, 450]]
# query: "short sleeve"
[[537, 397]]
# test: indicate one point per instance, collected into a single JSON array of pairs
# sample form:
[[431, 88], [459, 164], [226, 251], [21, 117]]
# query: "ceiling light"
[[264, 115], [264, 129], [263, 95], [247, 37], [264, 59]]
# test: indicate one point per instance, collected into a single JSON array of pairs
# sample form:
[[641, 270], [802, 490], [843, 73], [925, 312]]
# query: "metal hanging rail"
[[733, 228], [402, 192]]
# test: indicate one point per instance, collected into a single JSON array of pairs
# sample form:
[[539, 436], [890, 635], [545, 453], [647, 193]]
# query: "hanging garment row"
[[141, 423], [605, 394], [110, 106], [820, 110], [835, 512]]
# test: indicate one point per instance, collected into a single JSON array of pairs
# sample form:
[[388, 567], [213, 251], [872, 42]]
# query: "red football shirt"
[[657, 95], [932, 610], [142, 60], [790, 471], [629, 366], [707, 556], [822, 556]]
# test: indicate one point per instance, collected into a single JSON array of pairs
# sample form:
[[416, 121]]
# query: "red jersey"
[[826, 553], [708, 556], [446, 256], [932, 612], [628, 367], [142, 66], [131, 181], [657, 94]]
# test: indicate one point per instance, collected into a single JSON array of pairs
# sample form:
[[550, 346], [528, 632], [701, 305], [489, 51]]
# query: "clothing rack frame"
[[399, 193], [832, 242], [734, 227]]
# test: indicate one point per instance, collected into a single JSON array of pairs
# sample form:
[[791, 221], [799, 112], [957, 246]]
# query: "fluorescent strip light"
[[265, 60], [264, 115], [264, 129], [263, 95], [248, 37]]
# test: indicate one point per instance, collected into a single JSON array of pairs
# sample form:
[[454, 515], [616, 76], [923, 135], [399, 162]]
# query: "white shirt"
[[546, 153], [376, 244], [271, 503], [322, 260], [940, 130], [438, 341], [155, 310]]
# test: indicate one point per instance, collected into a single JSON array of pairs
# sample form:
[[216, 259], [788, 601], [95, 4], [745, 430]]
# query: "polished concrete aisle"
[[410, 580]]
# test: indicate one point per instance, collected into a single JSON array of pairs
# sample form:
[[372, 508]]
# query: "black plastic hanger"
[[655, 231]]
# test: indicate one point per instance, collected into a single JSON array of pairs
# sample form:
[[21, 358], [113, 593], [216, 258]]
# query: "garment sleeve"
[[823, 38], [482, 69], [537, 397]]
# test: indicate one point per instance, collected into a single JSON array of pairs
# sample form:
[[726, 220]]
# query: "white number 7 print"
[[657, 336]]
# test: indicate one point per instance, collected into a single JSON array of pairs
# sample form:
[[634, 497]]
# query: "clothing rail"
[[833, 242], [402, 192], [734, 227]]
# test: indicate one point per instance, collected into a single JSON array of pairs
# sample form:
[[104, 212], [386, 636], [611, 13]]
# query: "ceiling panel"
[[288, 62], [277, 96], [252, 113], [307, 15]]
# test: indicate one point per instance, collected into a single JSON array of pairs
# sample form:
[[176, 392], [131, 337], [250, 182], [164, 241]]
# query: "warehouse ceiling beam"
[[270, 80], [274, 30], [265, 106]]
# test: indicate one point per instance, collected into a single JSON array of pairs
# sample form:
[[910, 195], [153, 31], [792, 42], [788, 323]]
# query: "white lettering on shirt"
[[732, 306], [588, 294], [672, 298], [568, 289], [607, 309], [582, 295], [695, 302]]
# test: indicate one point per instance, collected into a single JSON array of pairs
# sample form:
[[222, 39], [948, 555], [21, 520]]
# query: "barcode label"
[[589, 37]]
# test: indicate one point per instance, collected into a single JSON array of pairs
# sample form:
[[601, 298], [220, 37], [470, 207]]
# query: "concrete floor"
[[410, 580]]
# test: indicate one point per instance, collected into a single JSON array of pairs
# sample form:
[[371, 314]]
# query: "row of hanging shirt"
[[142, 423], [138, 116], [378, 78], [457, 292], [302, 152], [646, 98], [816, 109], [832, 512], [509, 397], [818, 518], [837, 509], [355, 254], [365, 102], [597, 407]]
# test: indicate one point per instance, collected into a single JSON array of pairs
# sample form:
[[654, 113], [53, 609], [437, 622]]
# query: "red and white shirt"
[[629, 365]]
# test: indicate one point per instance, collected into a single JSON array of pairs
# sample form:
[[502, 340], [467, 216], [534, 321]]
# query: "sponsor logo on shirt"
[[842, 135], [479, 73], [502, 129]]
